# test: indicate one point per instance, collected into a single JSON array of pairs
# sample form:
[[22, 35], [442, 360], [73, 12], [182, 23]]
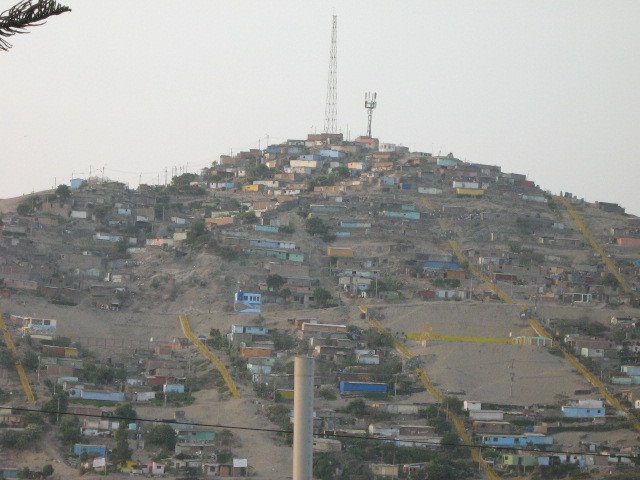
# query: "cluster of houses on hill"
[[363, 189]]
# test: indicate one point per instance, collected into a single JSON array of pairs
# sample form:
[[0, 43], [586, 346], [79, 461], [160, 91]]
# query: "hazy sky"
[[546, 88]]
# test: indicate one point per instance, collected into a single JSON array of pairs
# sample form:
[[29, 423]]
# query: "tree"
[[121, 453], [47, 470], [322, 296], [29, 205], [162, 435], [275, 282], [63, 192], [184, 180], [27, 13], [196, 231], [217, 340], [316, 226], [101, 212], [125, 411], [70, 429], [341, 172], [30, 361], [24, 473], [324, 466], [357, 408], [248, 218], [57, 405], [121, 246]]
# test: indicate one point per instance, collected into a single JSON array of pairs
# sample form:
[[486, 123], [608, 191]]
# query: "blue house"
[[580, 411], [8, 473], [97, 395], [188, 435], [173, 388], [406, 215], [435, 265], [76, 183], [91, 450], [246, 302], [517, 440], [355, 224], [332, 154], [389, 180]]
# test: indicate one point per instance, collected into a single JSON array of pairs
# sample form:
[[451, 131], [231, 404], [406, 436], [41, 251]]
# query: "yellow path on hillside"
[[502, 295], [213, 358], [595, 245], [417, 336], [24, 381], [591, 378], [540, 330], [458, 423]]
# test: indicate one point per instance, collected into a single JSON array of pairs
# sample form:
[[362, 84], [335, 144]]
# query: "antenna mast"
[[330, 110], [370, 103]]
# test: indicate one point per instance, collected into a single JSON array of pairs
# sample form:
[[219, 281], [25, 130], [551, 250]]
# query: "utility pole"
[[511, 379], [303, 418]]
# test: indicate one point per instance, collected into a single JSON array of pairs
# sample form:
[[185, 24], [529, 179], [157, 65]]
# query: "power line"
[[523, 448]]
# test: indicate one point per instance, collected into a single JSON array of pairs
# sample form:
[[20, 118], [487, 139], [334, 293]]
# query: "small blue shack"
[[91, 450]]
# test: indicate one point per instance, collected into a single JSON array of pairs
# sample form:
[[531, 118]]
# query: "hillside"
[[479, 278]]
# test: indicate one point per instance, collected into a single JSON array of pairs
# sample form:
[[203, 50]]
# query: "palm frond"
[[28, 13]]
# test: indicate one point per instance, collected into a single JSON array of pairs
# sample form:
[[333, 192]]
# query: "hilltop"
[[482, 276]]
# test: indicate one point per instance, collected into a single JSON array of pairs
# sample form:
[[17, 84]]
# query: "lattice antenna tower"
[[330, 110], [370, 103]]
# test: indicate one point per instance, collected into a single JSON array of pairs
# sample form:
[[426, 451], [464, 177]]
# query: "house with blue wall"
[[247, 302], [433, 265], [332, 154], [528, 439], [97, 395], [403, 215], [584, 409], [189, 435], [90, 450], [173, 388]]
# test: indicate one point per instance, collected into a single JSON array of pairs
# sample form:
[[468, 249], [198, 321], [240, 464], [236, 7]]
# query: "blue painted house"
[[355, 224], [528, 439], [173, 388], [91, 450], [584, 409], [76, 183], [8, 473], [332, 154], [187, 435], [436, 265], [404, 215], [97, 395], [247, 302]]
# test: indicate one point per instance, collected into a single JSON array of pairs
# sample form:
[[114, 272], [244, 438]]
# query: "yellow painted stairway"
[[24, 381], [213, 358], [457, 421], [595, 245]]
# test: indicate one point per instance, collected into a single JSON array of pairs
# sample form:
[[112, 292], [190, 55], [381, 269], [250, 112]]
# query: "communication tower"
[[330, 111], [370, 103]]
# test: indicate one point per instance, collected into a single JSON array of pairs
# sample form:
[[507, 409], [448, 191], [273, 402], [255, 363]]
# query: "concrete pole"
[[303, 418]]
